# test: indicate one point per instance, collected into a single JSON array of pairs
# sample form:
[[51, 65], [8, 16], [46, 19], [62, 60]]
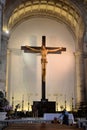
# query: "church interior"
[[64, 24]]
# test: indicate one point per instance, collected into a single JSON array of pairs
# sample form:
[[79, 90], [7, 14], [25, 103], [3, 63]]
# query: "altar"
[[51, 116], [40, 107]]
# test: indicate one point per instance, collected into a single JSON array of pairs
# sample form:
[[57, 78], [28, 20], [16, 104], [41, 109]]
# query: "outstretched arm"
[[33, 49], [55, 50]]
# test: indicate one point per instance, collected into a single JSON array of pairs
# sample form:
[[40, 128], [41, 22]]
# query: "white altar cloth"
[[51, 116]]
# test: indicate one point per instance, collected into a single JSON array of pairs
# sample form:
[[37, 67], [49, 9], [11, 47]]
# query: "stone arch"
[[63, 11]]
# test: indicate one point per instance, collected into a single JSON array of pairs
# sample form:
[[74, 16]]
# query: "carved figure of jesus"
[[43, 51]]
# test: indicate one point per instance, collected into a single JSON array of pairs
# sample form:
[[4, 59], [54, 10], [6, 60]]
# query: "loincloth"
[[43, 61]]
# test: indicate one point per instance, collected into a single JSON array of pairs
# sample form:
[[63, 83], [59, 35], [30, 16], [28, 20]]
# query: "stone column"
[[2, 3], [0, 23], [6, 88], [85, 60], [2, 74], [3, 61], [85, 72], [80, 88]]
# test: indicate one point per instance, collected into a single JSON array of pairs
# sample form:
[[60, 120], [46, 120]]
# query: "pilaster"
[[80, 88], [3, 61]]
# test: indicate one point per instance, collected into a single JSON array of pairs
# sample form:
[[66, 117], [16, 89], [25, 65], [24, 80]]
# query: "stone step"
[[41, 126]]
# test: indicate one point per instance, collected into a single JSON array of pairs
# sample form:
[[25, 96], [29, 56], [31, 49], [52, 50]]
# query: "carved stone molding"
[[64, 11]]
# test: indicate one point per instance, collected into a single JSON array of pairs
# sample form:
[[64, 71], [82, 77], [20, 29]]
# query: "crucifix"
[[43, 50]]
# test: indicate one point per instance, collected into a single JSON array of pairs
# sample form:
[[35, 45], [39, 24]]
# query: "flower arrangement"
[[7, 108]]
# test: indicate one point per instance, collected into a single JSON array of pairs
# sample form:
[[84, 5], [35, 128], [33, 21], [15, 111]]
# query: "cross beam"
[[43, 50]]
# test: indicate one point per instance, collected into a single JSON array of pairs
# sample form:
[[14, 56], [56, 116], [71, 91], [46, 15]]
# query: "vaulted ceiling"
[[72, 12], [9, 3]]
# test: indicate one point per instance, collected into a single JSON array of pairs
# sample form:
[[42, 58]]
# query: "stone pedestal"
[[3, 115], [41, 107]]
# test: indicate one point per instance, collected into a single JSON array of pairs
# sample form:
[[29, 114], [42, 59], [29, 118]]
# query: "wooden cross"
[[43, 50]]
